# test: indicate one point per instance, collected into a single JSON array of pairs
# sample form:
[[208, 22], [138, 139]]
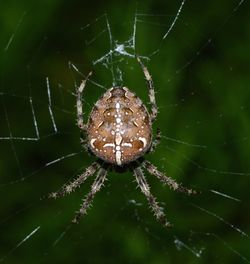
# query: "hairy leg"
[[96, 186], [151, 91], [157, 210], [156, 141], [67, 189], [79, 106], [165, 179]]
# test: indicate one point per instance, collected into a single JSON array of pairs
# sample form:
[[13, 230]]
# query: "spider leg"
[[156, 141], [165, 179], [79, 92], [151, 90], [157, 210], [68, 188], [84, 142], [96, 186]]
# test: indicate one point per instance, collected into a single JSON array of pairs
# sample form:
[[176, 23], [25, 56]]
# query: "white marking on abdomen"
[[92, 142], [117, 105], [118, 155], [109, 145], [144, 141], [118, 136], [118, 139], [127, 144]]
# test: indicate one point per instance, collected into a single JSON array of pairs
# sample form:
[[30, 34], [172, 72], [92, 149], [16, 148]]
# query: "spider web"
[[199, 70]]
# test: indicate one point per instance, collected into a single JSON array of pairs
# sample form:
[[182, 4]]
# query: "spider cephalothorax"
[[119, 133]]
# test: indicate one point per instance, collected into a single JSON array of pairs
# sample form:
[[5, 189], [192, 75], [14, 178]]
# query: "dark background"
[[201, 75]]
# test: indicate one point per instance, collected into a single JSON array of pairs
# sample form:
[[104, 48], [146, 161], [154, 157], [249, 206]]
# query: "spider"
[[119, 134]]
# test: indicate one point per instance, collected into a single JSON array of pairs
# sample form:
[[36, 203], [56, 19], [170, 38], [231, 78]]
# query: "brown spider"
[[119, 132]]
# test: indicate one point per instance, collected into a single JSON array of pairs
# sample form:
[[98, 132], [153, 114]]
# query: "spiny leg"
[[156, 141], [165, 179], [157, 210], [151, 91], [79, 92], [84, 142], [67, 189], [96, 186]]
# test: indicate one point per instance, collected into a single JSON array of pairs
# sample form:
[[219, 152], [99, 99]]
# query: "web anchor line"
[[34, 117], [50, 109]]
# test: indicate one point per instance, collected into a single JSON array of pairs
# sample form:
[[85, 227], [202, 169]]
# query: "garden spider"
[[119, 133]]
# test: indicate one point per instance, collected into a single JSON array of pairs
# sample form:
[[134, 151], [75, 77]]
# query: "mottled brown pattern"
[[119, 131], [134, 130]]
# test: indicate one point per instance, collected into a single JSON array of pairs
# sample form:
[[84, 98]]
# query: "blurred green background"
[[201, 75]]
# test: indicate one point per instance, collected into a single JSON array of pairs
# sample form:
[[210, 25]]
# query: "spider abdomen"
[[119, 128]]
